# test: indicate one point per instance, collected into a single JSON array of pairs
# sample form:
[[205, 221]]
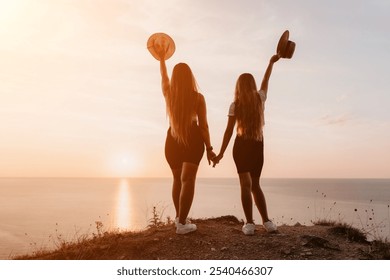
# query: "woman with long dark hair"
[[247, 112], [187, 137]]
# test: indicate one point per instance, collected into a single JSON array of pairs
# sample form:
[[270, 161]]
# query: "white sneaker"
[[270, 226], [184, 229], [248, 229], [177, 221]]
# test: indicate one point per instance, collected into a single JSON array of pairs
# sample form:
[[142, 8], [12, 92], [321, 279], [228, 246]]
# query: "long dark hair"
[[181, 101], [249, 108]]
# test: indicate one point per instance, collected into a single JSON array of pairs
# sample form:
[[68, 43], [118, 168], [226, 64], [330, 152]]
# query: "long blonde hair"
[[181, 102], [248, 108]]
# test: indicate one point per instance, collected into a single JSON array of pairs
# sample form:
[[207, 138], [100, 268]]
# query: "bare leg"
[[259, 199], [188, 176], [176, 189], [246, 198]]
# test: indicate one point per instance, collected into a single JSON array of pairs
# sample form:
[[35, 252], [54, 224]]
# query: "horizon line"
[[169, 177]]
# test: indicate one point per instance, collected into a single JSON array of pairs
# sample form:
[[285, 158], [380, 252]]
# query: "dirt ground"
[[222, 238]]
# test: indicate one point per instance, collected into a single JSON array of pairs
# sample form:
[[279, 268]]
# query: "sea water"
[[37, 213]]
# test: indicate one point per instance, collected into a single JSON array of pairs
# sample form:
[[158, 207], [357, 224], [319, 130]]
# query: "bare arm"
[[267, 74], [204, 127], [226, 139], [163, 69], [164, 77]]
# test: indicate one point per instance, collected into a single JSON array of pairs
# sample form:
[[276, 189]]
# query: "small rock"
[[286, 251], [213, 249], [315, 241], [224, 249]]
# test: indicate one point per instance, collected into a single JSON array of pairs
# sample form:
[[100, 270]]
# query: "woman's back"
[[248, 108], [182, 100]]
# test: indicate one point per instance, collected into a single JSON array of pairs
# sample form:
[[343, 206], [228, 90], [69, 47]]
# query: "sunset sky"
[[80, 94]]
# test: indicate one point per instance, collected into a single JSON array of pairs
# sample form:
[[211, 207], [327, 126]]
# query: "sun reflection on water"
[[122, 213]]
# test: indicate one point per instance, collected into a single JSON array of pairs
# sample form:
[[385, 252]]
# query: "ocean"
[[38, 213]]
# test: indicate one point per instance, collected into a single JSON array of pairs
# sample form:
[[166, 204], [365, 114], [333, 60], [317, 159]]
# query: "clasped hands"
[[216, 159]]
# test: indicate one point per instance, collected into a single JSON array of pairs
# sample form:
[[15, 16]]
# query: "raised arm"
[[204, 127], [268, 71], [164, 77], [163, 69]]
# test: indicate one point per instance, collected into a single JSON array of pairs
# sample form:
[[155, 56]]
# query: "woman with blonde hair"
[[247, 111], [187, 137]]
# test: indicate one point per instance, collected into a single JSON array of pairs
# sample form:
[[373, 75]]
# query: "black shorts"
[[248, 156], [176, 153]]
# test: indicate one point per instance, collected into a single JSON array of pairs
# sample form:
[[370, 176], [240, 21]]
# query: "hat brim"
[[158, 41], [282, 44]]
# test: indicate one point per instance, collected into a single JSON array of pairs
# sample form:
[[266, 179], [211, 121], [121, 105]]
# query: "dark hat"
[[285, 47], [158, 41]]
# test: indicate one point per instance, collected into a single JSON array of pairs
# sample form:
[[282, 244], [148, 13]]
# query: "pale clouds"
[[335, 120]]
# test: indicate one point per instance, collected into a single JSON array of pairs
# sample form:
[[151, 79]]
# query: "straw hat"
[[158, 41], [285, 47]]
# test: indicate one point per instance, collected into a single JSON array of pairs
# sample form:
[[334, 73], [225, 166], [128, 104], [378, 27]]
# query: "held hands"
[[217, 159], [210, 156]]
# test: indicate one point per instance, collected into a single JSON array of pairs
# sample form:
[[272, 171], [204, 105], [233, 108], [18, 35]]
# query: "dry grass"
[[218, 238]]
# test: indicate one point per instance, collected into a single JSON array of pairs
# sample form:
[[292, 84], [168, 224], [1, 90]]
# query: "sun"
[[127, 162], [124, 165]]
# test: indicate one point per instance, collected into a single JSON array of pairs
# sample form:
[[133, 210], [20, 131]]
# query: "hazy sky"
[[80, 94]]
